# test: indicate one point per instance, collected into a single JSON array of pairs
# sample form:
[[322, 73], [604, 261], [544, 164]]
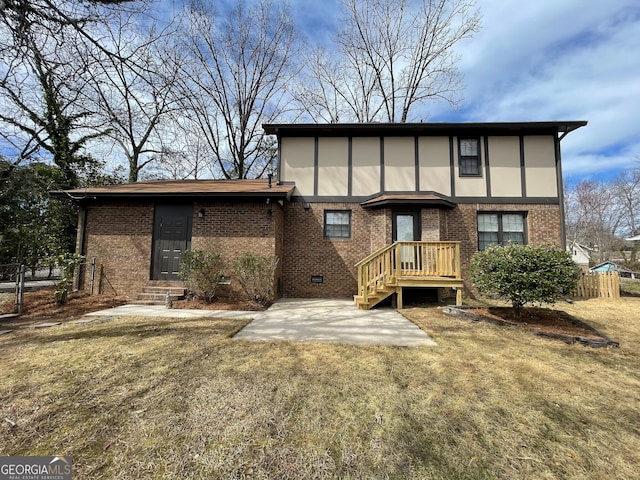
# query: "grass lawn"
[[165, 398], [630, 286]]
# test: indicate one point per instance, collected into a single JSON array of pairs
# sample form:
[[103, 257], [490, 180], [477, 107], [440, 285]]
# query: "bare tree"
[[336, 91], [393, 57], [188, 155], [235, 79], [627, 189], [135, 97], [40, 92], [74, 15], [42, 84], [594, 218]]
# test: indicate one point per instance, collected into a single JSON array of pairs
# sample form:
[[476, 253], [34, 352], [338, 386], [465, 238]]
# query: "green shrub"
[[256, 274], [201, 272], [67, 262], [524, 274]]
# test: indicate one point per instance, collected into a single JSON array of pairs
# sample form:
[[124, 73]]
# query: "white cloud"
[[541, 60], [560, 61]]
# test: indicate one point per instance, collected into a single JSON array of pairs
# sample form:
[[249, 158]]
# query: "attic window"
[[469, 161]]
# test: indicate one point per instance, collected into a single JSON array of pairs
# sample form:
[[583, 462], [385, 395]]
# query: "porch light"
[[201, 213]]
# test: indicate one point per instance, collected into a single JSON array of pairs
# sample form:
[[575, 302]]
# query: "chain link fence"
[[17, 279]]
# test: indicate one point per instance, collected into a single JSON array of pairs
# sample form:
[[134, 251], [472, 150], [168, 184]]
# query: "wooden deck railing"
[[403, 259]]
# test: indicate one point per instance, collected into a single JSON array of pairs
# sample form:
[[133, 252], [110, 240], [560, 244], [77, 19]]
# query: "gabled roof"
[[437, 128], [581, 248], [238, 189], [610, 266]]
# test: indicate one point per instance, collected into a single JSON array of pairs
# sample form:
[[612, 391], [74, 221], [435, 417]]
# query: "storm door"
[[171, 236], [406, 228]]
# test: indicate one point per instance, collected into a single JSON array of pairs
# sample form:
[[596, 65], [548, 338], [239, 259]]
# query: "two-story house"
[[360, 210]]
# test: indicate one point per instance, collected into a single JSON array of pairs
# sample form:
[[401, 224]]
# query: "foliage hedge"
[[256, 273], [201, 271], [523, 274], [68, 263]]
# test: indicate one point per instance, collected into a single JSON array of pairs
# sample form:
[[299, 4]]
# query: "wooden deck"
[[408, 264]]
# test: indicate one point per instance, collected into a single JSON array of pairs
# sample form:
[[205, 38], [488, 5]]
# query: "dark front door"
[[171, 236], [406, 228]]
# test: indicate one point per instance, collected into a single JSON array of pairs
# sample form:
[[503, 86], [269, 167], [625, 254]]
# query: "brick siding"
[[232, 229], [119, 235], [122, 243], [543, 227], [308, 253]]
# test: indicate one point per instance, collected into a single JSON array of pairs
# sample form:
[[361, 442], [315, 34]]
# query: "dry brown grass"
[[162, 398]]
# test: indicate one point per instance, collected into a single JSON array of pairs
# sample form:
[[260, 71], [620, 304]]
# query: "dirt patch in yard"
[[541, 321], [41, 306]]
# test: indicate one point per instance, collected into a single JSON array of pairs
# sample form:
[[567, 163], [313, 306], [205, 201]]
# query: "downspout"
[[81, 238], [82, 221], [563, 226]]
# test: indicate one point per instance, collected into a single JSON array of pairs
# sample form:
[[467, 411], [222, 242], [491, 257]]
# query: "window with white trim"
[[500, 228], [337, 224]]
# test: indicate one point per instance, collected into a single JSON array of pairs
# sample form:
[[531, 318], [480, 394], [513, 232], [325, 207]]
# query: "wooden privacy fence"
[[603, 285]]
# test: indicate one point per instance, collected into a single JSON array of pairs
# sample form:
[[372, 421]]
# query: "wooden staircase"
[[155, 293], [408, 264]]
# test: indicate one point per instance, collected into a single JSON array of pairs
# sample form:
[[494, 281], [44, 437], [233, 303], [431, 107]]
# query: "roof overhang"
[[437, 128], [183, 190], [430, 199]]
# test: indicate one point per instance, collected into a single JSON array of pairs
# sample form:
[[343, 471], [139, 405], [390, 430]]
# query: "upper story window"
[[500, 228], [337, 224], [469, 156]]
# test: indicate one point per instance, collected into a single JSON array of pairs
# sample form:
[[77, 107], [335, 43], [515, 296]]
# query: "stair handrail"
[[375, 254], [363, 270], [365, 283]]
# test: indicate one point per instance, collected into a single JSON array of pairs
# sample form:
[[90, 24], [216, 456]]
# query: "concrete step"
[[164, 283], [155, 293], [165, 290], [159, 296]]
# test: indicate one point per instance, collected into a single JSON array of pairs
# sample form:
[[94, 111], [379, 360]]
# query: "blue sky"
[[540, 60], [545, 60]]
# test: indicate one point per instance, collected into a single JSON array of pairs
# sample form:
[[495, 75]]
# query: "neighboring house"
[[607, 267], [580, 255], [344, 194]]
